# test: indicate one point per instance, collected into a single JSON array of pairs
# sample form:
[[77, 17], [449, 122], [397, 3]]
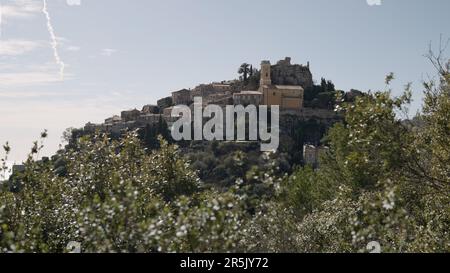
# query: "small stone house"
[[165, 103], [131, 115], [150, 109], [113, 120], [182, 97], [248, 98]]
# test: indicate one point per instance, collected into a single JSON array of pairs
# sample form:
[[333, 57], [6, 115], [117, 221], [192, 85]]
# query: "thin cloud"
[[374, 2], [19, 75], [28, 78], [18, 47], [21, 9], [73, 48], [73, 2], [28, 94], [108, 52]]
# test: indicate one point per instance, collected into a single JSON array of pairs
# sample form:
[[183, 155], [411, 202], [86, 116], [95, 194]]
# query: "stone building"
[[312, 154], [288, 97], [182, 97], [207, 90], [219, 99], [167, 112], [119, 128], [92, 128], [113, 120], [150, 109], [248, 98], [130, 115], [149, 119], [221, 87], [165, 103], [167, 115], [18, 169]]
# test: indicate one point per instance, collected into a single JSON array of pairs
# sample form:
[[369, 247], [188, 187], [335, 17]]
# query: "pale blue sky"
[[124, 54]]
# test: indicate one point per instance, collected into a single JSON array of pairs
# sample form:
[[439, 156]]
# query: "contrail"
[[54, 41]]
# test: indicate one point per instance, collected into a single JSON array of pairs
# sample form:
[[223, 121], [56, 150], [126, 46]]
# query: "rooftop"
[[249, 93], [290, 87]]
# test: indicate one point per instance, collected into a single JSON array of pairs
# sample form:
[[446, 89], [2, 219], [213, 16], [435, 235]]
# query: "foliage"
[[383, 179], [245, 69], [389, 178], [116, 198]]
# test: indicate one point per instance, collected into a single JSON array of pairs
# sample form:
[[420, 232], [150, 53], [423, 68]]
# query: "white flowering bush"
[[117, 198], [390, 179]]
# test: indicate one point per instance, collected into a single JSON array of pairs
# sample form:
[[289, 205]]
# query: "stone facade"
[[266, 77], [222, 100], [288, 97], [217, 98], [120, 127], [92, 128], [312, 154], [182, 97], [130, 115], [247, 98], [167, 115], [113, 120], [150, 109], [221, 87], [165, 102], [168, 112], [207, 90], [149, 119], [18, 169]]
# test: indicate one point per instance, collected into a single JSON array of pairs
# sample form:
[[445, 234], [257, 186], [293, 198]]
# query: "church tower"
[[265, 73]]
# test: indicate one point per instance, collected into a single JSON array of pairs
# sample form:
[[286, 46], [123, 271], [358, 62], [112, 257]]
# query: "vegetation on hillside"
[[383, 179]]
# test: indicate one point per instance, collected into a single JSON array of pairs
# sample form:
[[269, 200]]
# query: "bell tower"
[[265, 73]]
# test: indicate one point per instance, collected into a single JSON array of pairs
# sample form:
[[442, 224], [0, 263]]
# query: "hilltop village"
[[283, 84], [288, 85], [306, 114]]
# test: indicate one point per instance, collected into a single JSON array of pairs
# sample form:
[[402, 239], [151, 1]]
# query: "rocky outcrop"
[[285, 73]]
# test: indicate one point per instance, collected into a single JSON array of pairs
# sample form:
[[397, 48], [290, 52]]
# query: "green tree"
[[244, 70]]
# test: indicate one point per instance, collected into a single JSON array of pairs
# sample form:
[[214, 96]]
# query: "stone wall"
[[150, 109], [149, 119], [165, 103], [207, 90], [312, 154], [248, 98], [130, 115], [182, 97]]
